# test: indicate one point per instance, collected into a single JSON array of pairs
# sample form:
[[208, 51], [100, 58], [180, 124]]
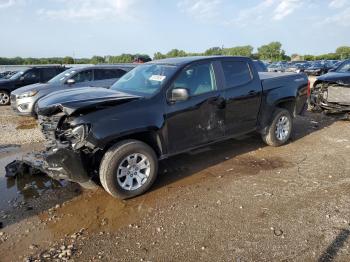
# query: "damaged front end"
[[331, 98], [66, 155]]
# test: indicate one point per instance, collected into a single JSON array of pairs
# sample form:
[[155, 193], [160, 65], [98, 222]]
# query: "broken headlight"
[[77, 135]]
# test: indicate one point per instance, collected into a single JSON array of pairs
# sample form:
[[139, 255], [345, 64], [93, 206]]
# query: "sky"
[[83, 28]]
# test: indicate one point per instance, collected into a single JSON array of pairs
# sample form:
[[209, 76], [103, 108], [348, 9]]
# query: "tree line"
[[269, 52]]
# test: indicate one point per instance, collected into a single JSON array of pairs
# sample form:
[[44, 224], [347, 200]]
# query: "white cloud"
[[338, 3], [203, 10], [8, 3], [285, 8], [90, 10], [267, 10], [340, 19]]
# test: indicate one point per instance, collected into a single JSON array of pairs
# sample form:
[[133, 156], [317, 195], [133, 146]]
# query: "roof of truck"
[[178, 61]]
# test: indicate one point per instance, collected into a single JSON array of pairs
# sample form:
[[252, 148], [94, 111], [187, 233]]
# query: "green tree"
[[343, 52], [158, 55], [176, 53], [68, 60], [272, 51], [97, 60], [239, 51], [214, 51]]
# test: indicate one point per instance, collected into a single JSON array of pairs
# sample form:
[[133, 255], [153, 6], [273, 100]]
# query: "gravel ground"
[[235, 201], [17, 130]]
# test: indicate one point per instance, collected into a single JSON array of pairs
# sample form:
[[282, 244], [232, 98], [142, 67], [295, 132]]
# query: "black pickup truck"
[[161, 109]]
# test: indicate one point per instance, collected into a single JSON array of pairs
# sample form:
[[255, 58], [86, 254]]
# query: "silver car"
[[24, 99]]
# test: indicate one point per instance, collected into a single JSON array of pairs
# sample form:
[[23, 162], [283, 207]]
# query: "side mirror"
[[331, 70], [70, 81], [179, 94]]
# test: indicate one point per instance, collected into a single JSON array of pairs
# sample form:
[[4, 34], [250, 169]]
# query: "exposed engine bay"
[[331, 98]]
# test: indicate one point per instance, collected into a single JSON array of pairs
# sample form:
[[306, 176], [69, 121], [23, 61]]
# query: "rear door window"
[[103, 74], [236, 73], [48, 73]]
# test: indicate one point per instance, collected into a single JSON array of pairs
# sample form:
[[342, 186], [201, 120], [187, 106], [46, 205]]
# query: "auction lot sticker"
[[158, 78]]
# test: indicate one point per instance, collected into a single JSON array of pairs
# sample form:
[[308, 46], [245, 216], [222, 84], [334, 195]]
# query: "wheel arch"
[[149, 137]]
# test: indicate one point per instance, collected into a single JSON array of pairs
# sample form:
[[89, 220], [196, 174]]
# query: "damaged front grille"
[[49, 127], [331, 97]]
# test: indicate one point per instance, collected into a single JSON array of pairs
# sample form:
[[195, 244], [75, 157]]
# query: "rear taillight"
[[308, 88]]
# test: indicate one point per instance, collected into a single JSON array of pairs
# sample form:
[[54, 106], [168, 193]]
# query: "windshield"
[[17, 75], [145, 80], [62, 77], [345, 68]]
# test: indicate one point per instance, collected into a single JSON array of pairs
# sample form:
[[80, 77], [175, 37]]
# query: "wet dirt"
[[221, 201]]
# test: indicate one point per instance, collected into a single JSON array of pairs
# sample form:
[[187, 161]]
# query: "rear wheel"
[[280, 130], [4, 98], [128, 169]]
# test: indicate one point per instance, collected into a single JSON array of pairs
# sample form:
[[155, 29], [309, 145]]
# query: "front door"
[[200, 119]]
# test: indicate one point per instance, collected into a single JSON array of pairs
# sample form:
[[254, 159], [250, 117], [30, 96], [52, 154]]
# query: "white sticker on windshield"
[[158, 78]]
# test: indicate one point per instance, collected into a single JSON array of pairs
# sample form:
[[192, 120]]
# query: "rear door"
[[106, 77], [200, 119], [242, 96]]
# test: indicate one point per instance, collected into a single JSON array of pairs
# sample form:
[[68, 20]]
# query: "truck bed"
[[269, 75]]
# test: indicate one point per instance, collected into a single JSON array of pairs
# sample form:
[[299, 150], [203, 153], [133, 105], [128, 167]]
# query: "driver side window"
[[197, 79], [84, 76]]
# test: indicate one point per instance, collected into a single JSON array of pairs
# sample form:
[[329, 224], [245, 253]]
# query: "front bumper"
[[60, 164], [66, 164]]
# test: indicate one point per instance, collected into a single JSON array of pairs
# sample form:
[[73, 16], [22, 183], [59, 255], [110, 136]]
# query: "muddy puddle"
[[24, 187], [97, 210]]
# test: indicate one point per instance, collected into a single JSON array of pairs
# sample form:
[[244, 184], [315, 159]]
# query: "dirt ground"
[[235, 201]]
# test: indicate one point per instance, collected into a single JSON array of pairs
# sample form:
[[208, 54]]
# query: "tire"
[[272, 136], [118, 158], [4, 98]]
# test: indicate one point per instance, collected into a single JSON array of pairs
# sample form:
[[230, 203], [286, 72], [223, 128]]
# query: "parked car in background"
[[7, 74], [161, 109], [24, 99], [316, 69], [335, 66], [260, 66], [296, 68], [37, 74], [276, 68], [331, 92]]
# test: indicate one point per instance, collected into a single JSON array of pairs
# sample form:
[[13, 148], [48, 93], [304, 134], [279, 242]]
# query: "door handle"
[[252, 93], [219, 101]]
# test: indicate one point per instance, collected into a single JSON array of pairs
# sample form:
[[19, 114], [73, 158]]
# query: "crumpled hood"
[[336, 77], [70, 101], [39, 86]]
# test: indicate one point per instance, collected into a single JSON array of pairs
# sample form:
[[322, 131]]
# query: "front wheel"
[[280, 130], [4, 98], [128, 169]]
